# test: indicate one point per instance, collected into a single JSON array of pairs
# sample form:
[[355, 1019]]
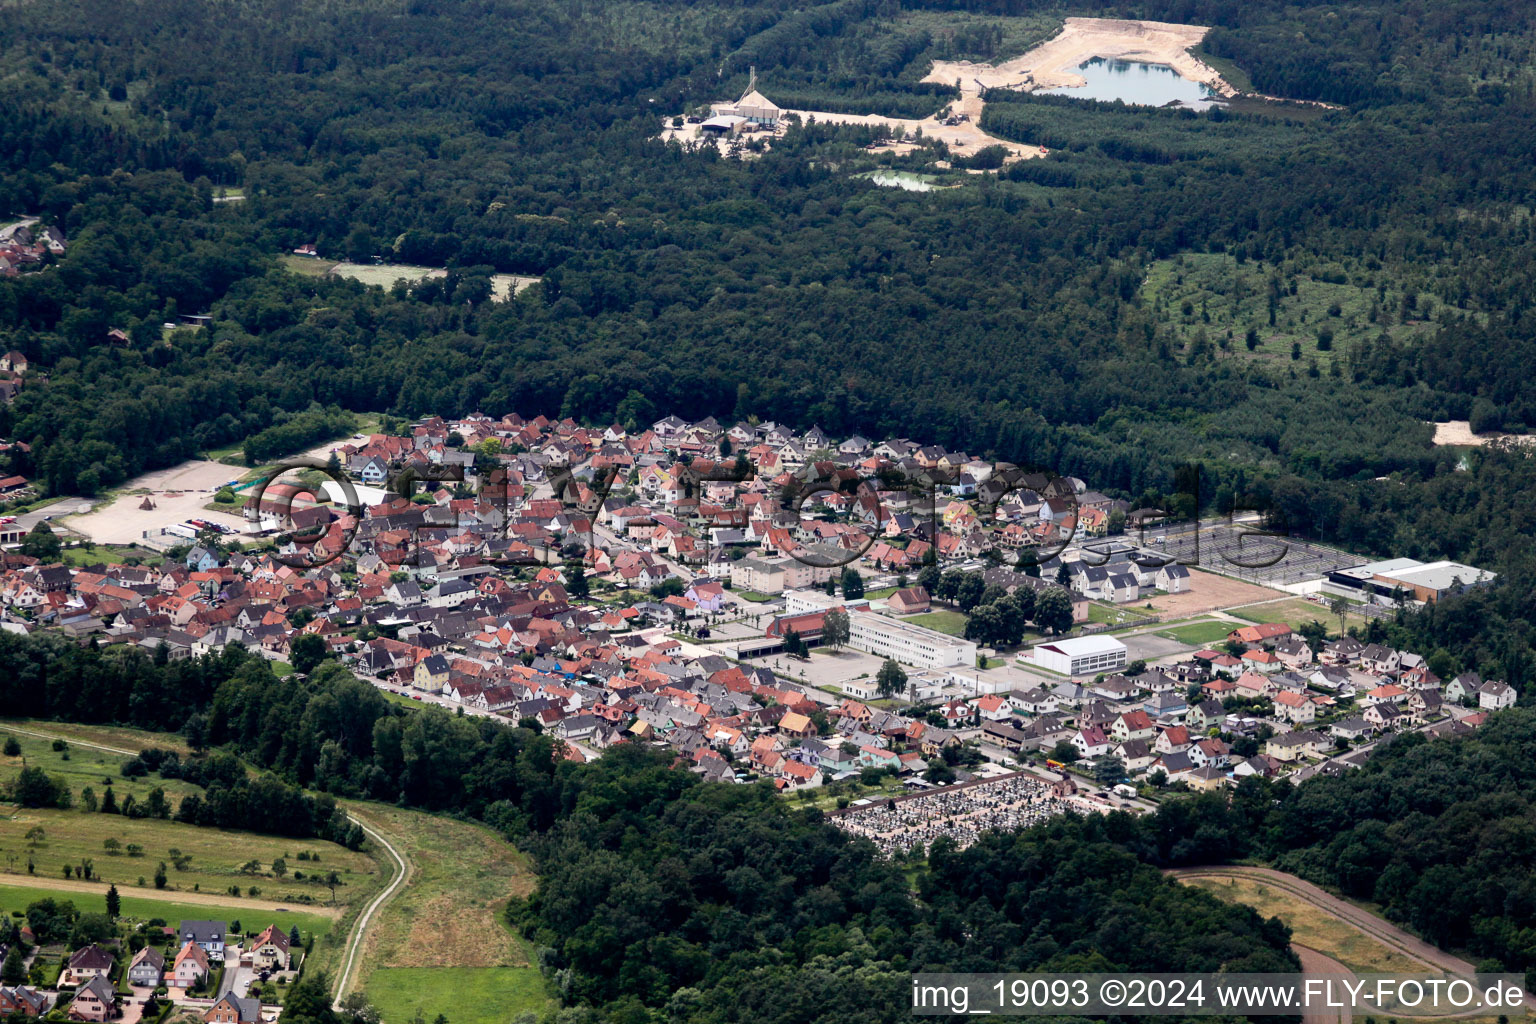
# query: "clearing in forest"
[[1053, 64]]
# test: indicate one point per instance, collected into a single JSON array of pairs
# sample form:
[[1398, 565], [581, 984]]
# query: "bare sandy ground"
[[1210, 592], [964, 139], [179, 493], [1053, 64], [1459, 432]]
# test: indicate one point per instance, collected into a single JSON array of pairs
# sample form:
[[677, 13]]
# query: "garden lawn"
[[949, 622]]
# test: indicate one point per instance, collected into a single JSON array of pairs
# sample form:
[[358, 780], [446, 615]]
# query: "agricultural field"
[[445, 929]]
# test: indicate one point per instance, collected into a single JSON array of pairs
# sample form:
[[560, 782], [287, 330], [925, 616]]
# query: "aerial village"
[[791, 608]]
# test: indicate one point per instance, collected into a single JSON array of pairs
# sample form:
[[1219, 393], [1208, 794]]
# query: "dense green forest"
[[1053, 313]]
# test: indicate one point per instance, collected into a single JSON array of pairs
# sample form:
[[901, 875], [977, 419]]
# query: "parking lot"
[[178, 494]]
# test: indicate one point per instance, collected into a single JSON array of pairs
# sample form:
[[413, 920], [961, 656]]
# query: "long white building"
[[887, 637]]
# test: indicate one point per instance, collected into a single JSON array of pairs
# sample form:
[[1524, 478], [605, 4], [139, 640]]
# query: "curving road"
[[1385, 932]]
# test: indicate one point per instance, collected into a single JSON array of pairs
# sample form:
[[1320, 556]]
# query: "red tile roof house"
[[26, 1001], [233, 1009], [1260, 633], [270, 950], [911, 601], [191, 966]]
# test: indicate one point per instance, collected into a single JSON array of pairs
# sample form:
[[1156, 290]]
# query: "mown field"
[[80, 766], [1208, 632], [465, 995], [442, 944], [138, 907], [949, 622], [214, 859]]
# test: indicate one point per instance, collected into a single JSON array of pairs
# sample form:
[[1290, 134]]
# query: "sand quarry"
[[1459, 432], [1054, 63], [1051, 65]]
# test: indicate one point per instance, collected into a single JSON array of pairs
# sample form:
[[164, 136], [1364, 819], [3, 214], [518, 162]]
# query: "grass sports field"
[[1293, 612], [949, 622], [1209, 631]]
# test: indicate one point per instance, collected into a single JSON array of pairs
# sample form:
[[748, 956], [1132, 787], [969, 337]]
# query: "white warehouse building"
[[1081, 656]]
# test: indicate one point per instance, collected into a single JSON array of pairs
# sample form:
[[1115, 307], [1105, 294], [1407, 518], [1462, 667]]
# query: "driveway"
[[237, 979]]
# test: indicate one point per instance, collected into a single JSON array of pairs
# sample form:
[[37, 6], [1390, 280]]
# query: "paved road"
[[56, 510]]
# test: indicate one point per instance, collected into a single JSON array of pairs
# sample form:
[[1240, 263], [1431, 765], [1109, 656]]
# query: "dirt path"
[[360, 929], [50, 735], [1384, 932], [169, 895], [1313, 962]]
